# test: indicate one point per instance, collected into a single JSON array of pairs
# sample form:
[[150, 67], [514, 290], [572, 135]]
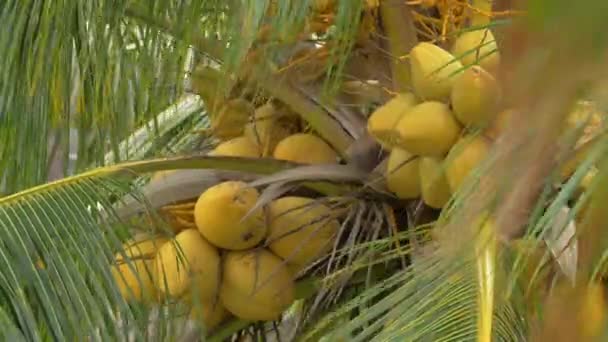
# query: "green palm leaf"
[[74, 293]]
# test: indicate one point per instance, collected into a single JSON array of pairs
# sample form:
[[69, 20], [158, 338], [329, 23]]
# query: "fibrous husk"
[[475, 97], [219, 215], [403, 174], [428, 129], [382, 124], [433, 71]]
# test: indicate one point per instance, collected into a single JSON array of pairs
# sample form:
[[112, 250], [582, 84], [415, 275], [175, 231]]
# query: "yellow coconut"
[[295, 269], [300, 230], [382, 123], [475, 97], [433, 71], [499, 123], [268, 128], [477, 47], [464, 157], [428, 129], [135, 275], [188, 263], [593, 311], [434, 185], [305, 148], [256, 285], [220, 213], [579, 310], [209, 313], [230, 121], [237, 147], [402, 174]]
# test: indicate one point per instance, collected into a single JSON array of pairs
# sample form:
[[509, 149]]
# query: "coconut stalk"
[[486, 277], [399, 28], [482, 10]]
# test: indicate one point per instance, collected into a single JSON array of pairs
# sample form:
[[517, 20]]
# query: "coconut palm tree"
[[113, 92]]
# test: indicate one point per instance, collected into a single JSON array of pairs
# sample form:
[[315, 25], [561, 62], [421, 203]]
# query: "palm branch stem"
[[321, 121], [399, 28], [486, 276], [481, 12]]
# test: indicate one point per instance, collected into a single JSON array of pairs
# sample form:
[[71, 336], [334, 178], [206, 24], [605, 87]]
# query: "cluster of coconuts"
[[233, 258], [238, 260], [270, 130], [442, 130], [227, 255], [429, 131]]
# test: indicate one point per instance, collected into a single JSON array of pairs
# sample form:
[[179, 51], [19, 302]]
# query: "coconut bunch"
[[236, 259], [269, 129], [440, 132], [232, 257], [276, 134], [432, 133]]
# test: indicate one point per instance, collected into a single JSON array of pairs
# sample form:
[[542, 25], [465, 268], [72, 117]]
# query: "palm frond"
[[169, 126], [74, 292], [436, 298], [93, 68]]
